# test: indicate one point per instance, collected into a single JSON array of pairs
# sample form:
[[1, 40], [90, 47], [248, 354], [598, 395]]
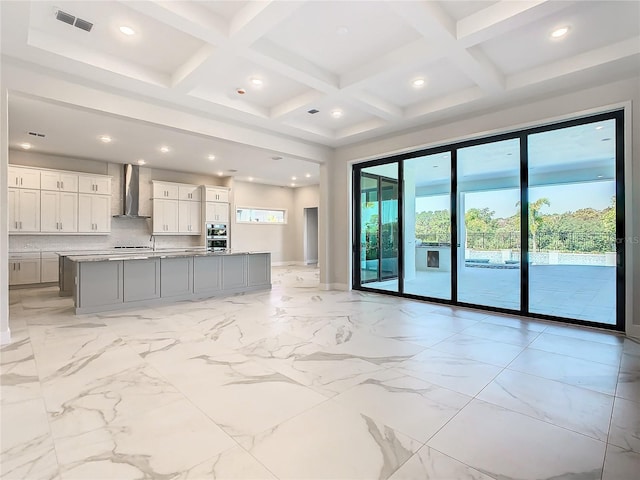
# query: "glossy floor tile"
[[299, 383]]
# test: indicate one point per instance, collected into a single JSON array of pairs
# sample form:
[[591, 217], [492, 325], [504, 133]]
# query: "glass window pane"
[[427, 224], [379, 227], [489, 224], [572, 254]]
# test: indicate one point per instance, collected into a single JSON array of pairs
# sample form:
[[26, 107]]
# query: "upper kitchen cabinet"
[[58, 181], [218, 194], [190, 192], [94, 213], [21, 177], [58, 212], [96, 184], [167, 191], [24, 210]]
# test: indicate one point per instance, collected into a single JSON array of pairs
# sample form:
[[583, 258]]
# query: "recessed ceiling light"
[[220, 174], [127, 30], [418, 82], [26, 145], [141, 162], [599, 127], [251, 179], [293, 184], [337, 113], [256, 82], [308, 175], [559, 32], [164, 149], [294, 178], [105, 139], [342, 30], [211, 157]]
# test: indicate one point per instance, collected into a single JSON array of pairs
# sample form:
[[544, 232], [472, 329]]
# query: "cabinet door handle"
[[58, 184], [20, 180], [20, 225], [19, 267], [62, 185], [16, 181]]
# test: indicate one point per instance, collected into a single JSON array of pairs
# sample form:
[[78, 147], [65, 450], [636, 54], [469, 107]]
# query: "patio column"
[[409, 217]]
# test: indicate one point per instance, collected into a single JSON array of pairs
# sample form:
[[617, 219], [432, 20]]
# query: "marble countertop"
[[147, 254]]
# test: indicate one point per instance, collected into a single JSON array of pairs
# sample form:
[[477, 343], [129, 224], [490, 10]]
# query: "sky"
[[563, 198]]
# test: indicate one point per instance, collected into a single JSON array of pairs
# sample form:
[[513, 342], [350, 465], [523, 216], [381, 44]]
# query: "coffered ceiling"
[[355, 62]]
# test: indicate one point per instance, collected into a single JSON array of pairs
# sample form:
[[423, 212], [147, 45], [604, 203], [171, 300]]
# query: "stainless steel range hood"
[[131, 192]]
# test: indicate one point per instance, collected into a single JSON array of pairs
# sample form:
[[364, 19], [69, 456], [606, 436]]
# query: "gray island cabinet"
[[104, 283]]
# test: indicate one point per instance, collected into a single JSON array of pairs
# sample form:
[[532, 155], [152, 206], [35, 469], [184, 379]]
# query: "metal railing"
[[560, 241]]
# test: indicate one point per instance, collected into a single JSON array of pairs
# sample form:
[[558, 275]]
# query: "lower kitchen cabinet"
[[49, 266], [259, 269], [207, 275], [24, 268], [102, 284], [141, 279], [176, 276], [234, 272]]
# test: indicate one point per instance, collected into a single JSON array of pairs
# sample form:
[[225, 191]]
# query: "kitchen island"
[[102, 282]]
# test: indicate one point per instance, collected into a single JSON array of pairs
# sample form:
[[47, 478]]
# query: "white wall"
[[5, 332], [552, 108], [277, 239]]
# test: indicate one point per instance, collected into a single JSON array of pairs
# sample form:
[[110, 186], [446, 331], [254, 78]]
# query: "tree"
[[535, 219]]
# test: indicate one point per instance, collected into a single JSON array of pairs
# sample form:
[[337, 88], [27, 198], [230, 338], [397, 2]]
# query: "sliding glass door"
[[379, 235], [572, 222], [530, 222], [427, 226], [489, 224]]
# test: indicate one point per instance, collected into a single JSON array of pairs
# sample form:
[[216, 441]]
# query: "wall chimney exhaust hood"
[[131, 192]]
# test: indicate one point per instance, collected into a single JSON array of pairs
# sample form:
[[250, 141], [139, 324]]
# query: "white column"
[[409, 217], [5, 332]]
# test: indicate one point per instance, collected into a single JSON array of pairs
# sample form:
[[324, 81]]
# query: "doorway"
[[311, 235]]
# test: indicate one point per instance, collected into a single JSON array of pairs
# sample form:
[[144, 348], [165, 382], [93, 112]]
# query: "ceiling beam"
[[594, 58], [503, 17]]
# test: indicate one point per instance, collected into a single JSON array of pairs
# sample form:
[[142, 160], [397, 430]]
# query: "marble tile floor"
[[299, 383]]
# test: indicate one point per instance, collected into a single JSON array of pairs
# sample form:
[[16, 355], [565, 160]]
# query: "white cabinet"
[[165, 216], [190, 192], [24, 268], [24, 210], [48, 268], [217, 194], [96, 184], [167, 191], [58, 181], [217, 213], [94, 213], [58, 212], [21, 177], [190, 217]]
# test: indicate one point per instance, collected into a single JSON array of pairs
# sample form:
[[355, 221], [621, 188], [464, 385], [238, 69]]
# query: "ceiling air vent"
[[83, 24], [71, 20], [65, 17], [313, 111], [36, 134]]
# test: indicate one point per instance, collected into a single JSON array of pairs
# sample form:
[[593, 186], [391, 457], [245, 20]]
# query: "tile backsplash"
[[125, 232]]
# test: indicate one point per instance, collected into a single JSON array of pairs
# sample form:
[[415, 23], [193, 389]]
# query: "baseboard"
[[633, 331], [334, 286], [5, 337]]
